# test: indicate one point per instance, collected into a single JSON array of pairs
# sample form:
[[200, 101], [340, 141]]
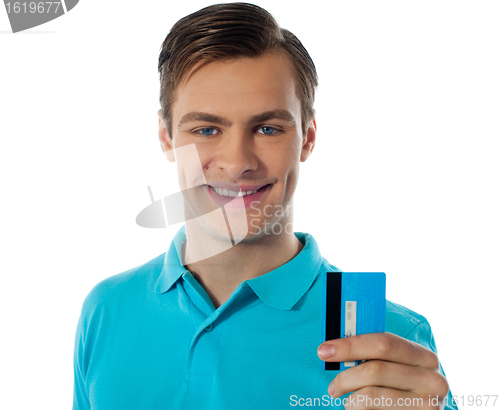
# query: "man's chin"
[[233, 233]]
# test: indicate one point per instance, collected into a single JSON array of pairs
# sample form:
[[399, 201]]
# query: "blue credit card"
[[353, 303]]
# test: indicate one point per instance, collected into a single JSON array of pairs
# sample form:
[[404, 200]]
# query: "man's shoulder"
[[327, 266], [125, 285], [407, 323]]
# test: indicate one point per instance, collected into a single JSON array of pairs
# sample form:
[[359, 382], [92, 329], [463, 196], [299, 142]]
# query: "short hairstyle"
[[227, 31]]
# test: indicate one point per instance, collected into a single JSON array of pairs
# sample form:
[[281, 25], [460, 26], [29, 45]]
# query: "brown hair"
[[226, 31]]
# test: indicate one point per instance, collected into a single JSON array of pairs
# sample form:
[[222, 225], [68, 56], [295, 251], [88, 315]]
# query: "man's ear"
[[165, 139], [308, 141]]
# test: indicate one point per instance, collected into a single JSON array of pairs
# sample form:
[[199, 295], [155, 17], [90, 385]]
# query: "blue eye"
[[206, 131], [267, 130]]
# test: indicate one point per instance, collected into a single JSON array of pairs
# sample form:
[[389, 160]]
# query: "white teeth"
[[225, 192]]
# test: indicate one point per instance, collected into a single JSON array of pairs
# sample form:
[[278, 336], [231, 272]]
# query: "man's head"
[[227, 31], [237, 94]]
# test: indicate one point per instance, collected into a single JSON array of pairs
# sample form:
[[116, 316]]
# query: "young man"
[[229, 317]]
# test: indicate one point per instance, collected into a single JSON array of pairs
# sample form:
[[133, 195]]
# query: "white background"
[[404, 178]]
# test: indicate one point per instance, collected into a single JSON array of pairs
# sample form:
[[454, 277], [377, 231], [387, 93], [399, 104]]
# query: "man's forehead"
[[277, 58], [253, 85]]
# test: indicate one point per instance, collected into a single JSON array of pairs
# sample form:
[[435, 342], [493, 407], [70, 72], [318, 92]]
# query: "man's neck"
[[221, 274]]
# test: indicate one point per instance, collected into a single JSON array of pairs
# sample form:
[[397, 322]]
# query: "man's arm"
[[80, 397]]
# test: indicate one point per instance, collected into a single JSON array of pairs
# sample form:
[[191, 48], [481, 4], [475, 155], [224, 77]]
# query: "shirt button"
[[209, 327]]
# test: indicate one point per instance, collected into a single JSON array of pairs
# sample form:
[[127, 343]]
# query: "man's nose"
[[236, 154]]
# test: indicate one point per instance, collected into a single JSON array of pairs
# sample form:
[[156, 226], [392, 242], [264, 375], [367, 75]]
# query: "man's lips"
[[233, 201], [243, 189], [233, 186]]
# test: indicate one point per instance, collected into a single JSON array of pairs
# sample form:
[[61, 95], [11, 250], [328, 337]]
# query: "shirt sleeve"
[[80, 396], [422, 334]]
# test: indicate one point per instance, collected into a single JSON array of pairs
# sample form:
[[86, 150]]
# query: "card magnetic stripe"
[[332, 311]]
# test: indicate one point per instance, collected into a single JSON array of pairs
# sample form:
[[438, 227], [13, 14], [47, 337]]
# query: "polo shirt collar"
[[172, 267], [281, 288]]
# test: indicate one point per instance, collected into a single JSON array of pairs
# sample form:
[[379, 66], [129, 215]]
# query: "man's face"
[[244, 117]]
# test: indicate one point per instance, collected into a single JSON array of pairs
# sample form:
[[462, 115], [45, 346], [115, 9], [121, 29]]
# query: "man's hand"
[[397, 369]]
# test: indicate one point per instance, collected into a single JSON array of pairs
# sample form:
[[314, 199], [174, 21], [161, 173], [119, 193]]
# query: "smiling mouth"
[[231, 194]]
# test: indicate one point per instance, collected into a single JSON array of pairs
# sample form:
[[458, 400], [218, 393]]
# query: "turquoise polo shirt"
[[150, 338]]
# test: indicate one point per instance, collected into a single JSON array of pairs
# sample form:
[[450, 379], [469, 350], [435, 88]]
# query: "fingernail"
[[331, 389], [326, 351]]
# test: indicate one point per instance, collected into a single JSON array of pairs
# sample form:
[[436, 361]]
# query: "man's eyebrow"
[[278, 114], [203, 116]]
